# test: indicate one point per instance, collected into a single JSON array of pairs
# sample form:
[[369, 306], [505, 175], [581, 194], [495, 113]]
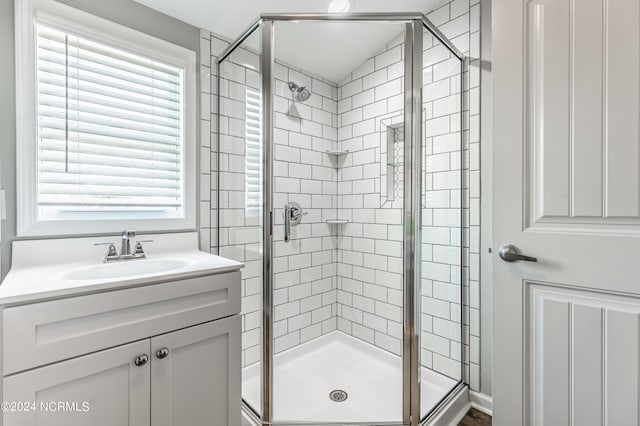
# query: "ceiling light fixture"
[[339, 6]]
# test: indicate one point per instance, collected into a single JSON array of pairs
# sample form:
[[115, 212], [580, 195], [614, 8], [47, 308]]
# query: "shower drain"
[[338, 395]]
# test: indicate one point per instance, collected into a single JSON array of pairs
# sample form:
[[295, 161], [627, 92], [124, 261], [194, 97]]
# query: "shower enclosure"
[[340, 186]]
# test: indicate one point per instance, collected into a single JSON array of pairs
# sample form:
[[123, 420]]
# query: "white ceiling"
[[328, 49], [331, 49]]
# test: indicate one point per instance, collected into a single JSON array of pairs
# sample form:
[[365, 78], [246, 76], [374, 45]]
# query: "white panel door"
[[196, 375], [116, 390], [566, 189]]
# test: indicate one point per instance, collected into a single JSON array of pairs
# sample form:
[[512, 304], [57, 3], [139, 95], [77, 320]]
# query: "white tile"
[[388, 248], [287, 122], [376, 109], [218, 46], [366, 68], [321, 314], [351, 117], [297, 170], [286, 310], [322, 88], [299, 321], [310, 332], [363, 333], [286, 342], [375, 292], [363, 127], [389, 343], [367, 259], [362, 98], [389, 57], [351, 88], [388, 216], [322, 117], [389, 89], [458, 7]]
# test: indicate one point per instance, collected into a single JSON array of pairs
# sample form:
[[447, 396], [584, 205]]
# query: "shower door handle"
[[287, 222]]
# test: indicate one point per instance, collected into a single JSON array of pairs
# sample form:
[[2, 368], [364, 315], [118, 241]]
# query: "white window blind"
[[253, 154], [110, 131]]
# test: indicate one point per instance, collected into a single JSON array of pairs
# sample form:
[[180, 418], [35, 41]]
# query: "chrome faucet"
[[125, 251], [126, 242]]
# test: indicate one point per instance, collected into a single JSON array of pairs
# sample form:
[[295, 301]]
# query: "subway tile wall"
[[459, 21], [348, 277], [304, 267], [370, 250], [239, 228], [370, 267]]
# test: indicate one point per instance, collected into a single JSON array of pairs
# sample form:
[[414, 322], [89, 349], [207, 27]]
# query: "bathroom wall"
[[365, 298], [304, 267], [7, 132], [125, 12], [370, 262]]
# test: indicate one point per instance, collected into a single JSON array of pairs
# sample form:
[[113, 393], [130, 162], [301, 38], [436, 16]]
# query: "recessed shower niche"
[[391, 160], [341, 303]]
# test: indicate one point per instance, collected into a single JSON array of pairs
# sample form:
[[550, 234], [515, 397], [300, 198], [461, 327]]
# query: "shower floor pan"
[[306, 375]]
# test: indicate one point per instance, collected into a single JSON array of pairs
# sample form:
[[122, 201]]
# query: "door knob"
[[162, 353], [141, 360], [510, 253]]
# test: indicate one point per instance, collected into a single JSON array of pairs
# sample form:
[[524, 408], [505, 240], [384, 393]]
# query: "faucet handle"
[[113, 252], [139, 249]]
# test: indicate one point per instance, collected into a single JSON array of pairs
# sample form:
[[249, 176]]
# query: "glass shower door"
[[337, 208], [441, 230], [240, 196]]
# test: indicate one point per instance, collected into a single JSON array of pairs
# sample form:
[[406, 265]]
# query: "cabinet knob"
[[162, 353], [141, 360]]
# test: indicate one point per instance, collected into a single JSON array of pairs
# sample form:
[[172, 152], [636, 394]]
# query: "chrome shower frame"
[[415, 23]]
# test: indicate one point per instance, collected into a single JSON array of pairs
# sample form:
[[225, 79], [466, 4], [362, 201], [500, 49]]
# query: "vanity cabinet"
[[117, 390], [195, 375], [173, 357]]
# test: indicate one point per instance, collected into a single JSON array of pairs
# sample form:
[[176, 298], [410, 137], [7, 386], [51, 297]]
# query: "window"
[[107, 143], [253, 154]]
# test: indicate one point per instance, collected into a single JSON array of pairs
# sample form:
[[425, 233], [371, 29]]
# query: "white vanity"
[[152, 341]]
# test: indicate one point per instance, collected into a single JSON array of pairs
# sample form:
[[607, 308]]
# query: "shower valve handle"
[[287, 222], [292, 216]]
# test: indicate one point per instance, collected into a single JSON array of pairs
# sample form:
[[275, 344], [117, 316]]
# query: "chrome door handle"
[[510, 253]]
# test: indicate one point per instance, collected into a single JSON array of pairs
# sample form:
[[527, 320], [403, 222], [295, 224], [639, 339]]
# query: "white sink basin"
[[125, 269]]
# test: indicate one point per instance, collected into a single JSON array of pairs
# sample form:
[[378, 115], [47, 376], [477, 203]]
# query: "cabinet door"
[[197, 383], [116, 390]]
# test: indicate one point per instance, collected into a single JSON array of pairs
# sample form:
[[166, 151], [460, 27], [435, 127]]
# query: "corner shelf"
[[337, 157], [337, 221], [337, 153]]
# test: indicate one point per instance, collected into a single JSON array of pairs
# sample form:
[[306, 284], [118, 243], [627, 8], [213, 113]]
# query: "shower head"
[[300, 93]]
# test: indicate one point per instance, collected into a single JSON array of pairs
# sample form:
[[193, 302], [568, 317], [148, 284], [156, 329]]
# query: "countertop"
[[34, 277]]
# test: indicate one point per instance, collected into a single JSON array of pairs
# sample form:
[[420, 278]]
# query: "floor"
[[305, 375], [475, 418]]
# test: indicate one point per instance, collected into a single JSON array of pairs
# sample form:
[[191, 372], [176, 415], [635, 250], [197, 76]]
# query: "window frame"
[[28, 14]]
